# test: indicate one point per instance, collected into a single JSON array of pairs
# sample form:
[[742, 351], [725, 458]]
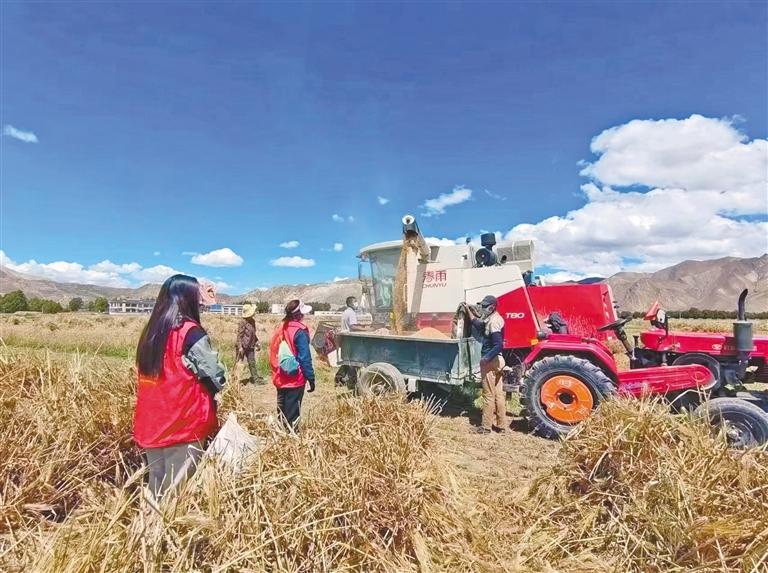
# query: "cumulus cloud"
[[290, 244], [382, 200], [443, 242], [340, 279], [156, 253], [338, 247], [293, 262], [225, 257], [104, 273], [661, 192], [438, 205], [339, 219], [25, 136]]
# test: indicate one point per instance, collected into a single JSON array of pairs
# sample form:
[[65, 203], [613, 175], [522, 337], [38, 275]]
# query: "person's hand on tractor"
[[311, 384]]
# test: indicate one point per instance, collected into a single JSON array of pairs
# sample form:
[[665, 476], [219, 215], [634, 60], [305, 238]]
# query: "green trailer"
[[385, 362]]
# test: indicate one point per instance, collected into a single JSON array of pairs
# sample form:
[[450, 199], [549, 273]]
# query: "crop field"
[[368, 484]]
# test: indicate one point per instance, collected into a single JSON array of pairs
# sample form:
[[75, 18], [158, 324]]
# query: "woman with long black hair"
[[178, 377]]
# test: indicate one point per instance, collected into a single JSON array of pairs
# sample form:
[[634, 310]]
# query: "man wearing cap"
[[248, 343], [492, 365]]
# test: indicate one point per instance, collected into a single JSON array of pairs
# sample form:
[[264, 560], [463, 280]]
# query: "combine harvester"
[[555, 337]]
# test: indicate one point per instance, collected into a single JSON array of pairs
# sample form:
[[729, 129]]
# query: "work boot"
[[482, 430], [498, 430]]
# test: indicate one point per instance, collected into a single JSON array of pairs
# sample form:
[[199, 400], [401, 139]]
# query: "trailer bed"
[[443, 361]]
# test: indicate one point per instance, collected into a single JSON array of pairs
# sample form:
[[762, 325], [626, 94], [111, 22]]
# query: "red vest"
[[287, 332], [174, 408]]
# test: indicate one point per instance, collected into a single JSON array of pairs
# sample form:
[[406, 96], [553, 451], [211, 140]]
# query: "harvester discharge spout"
[[411, 232]]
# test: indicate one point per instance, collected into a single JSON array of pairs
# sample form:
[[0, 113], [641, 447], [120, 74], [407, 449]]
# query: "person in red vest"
[[178, 376], [291, 362]]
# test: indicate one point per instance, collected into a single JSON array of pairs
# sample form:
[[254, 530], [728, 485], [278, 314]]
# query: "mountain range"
[[712, 285]]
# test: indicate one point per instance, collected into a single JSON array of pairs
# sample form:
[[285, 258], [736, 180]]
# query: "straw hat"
[[249, 310]]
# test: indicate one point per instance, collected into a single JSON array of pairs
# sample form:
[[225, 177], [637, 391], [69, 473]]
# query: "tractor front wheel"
[[558, 392], [743, 424]]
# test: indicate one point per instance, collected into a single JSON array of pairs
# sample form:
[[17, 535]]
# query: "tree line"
[[17, 301]]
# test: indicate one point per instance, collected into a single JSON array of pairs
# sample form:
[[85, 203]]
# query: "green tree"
[[75, 304], [91, 307], [51, 307], [101, 304], [320, 305], [263, 307], [14, 301], [35, 304]]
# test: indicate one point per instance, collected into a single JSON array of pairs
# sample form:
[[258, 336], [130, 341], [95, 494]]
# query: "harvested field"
[[369, 485]]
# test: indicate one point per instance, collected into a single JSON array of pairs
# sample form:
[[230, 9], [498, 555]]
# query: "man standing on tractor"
[[492, 365]]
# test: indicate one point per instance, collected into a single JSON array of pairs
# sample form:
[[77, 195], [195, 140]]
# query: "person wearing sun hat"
[[291, 362], [248, 343]]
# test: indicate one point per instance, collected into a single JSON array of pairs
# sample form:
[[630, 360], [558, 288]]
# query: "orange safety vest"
[[174, 408], [287, 332]]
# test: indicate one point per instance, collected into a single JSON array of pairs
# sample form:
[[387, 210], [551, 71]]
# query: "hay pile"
[[645, 491], [65, 432]]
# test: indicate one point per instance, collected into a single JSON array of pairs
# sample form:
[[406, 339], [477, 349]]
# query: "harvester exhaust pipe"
[[411, 231], [742, 335]]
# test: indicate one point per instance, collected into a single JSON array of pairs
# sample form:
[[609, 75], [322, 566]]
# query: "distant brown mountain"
[[711, 285]]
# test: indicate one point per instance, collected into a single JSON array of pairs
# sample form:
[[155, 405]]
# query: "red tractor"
[[738, 362]]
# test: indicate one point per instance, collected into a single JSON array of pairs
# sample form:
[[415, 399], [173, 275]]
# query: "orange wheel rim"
[[567, 399]]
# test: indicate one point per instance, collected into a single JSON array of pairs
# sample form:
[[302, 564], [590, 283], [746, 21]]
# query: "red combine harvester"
[[561, 366]]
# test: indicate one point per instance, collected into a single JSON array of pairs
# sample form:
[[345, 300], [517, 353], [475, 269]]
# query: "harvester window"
[[383, 269]]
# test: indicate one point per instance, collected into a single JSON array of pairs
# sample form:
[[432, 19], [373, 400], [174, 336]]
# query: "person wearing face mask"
[[491, 324], [346, 375]]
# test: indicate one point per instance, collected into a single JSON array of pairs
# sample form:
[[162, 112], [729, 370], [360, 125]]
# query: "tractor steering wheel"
[[616, 325]]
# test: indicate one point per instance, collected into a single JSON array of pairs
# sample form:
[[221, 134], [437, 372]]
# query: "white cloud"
[[698, 173], [382, 200], [294, 262], [109, 266], [438, 205], [351, 219], [105, 273], [443, 242], [339, 279], [225, 257], [339, 219], [219, 285], [494, 196], [25, 136], [338, 247], [155, 275], [290, 244]]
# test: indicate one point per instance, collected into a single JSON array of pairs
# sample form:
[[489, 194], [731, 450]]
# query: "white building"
[[131, 306], [228, 309]]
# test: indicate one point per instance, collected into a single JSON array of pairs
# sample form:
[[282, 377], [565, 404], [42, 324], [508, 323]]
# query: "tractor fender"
[[574, 346]]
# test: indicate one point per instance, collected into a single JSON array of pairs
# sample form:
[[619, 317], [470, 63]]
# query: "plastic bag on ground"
[[232, 446]]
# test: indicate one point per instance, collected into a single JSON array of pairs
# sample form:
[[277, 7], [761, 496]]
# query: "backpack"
[[286, 359]]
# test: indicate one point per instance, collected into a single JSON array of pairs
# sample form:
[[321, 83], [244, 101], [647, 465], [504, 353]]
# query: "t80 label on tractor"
[[515, 315]]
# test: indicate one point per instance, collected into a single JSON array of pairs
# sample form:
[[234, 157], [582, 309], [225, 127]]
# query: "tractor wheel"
[[704, 360], [744, 424], [558, 392], [380, 378]]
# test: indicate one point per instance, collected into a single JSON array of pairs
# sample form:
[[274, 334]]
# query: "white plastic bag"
[[232, 446]]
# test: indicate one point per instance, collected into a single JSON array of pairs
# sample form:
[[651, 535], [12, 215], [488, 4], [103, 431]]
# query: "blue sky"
[[175, 128]]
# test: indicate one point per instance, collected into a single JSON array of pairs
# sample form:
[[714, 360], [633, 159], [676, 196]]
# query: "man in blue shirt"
[[492, 364]]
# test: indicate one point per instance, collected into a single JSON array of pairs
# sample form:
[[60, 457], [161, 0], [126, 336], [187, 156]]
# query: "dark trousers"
[[250, 356], [289, 405]]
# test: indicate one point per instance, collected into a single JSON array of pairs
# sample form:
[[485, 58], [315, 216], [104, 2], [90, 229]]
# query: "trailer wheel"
[[704, 360], [744, 424], [558, 392], [380, 378]]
